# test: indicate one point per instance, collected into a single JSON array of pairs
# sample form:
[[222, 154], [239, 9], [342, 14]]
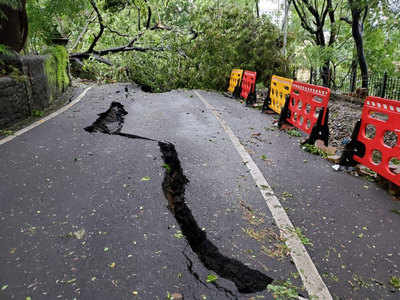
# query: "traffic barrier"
[[235, 82], [279, 89], [375, 139], [249, 87], [306, 108]]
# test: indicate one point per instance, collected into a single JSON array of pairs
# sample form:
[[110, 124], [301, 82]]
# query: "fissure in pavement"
[[247, 280]]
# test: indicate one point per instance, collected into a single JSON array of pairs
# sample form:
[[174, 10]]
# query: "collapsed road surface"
[[87, 215], [173, 186]]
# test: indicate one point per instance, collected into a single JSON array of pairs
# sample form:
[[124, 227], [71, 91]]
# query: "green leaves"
[[211, 278], [167, 167], [179, 235], [395, 282]]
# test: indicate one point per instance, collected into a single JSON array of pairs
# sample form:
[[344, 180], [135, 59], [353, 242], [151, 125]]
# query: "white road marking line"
[[45, 119], [312, 281]]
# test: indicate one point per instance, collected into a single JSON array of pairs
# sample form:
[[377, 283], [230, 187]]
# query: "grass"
[[279, 250], [396, 211], [314, 150], [395, 282], [6, 132], [304, 240], [37, 113], [294, 132], [283, 291]]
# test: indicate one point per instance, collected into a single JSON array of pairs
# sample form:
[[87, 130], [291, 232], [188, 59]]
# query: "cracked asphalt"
[[83, 215]]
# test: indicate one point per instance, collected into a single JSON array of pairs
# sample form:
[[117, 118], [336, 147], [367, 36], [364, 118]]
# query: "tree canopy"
[[165, 44]]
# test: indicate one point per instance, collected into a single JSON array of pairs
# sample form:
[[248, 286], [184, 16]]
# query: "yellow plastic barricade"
[[280, 87], [236, 78]]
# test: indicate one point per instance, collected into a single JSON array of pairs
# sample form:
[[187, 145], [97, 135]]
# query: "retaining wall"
[[32, 83]]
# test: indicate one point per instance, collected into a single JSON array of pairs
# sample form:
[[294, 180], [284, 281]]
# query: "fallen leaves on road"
[[79, 234], [211, 278]]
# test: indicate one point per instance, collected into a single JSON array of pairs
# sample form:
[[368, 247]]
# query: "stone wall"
[[33, 83]]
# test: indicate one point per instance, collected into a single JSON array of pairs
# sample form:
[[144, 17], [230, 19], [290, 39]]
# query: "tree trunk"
[[353, 75], [285, 26], [326, 74], [14, 28], [257, 8], [357, 32]]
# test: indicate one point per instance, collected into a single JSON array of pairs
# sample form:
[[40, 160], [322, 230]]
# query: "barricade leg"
[[352, 148], [236, 93], [267, 103], [285, 113], [320, 131], [251, 98]]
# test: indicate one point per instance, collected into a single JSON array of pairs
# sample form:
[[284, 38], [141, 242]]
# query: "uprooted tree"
[[161, 44]]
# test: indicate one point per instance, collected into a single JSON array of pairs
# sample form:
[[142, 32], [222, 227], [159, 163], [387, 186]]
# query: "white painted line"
[[312, 281], [45, 119]]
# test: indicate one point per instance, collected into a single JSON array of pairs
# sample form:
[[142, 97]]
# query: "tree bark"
[[14, 28], [357, 31], [285, 26], [353, 75], [257, 8]]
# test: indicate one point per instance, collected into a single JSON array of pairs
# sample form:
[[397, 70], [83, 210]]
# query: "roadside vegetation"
[[164, 45]]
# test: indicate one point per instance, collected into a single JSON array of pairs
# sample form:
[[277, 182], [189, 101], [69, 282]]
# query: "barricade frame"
[[361, 148], [235, 82], [314, 123], [250, 96], [276, 97]]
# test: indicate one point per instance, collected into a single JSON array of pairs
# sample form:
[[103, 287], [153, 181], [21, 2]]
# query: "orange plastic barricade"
[[375, 139], [235, 82], [280, 88], [307, 109], [249, 87]]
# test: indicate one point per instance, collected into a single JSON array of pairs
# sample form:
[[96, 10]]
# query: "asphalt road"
[[84, 215]]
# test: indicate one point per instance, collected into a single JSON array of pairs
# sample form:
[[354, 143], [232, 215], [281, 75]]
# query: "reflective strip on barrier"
[[280, 87], [235, 80], [248, 83], [306, 102], [380, 134]]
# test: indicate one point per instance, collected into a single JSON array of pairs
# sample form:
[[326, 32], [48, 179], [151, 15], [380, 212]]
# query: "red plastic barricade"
[[249, 87], [306, 102], [380, 134]]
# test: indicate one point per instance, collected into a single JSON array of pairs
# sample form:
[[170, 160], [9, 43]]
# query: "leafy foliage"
[[314, 150], [284, 291], [227, 37]]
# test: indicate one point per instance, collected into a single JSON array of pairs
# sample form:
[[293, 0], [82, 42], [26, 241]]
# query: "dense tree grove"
[[363, 38], [164, 44]]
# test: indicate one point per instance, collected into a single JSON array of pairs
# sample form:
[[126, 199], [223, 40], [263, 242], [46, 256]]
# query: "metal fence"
[[384, 86], [380, 85]]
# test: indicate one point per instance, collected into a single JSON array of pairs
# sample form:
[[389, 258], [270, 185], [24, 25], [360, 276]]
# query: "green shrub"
[[227, 38]]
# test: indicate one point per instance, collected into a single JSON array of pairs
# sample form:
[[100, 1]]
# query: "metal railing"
[[380, 85]]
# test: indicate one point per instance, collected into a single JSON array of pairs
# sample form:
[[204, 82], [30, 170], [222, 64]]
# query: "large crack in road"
[[246, 280]]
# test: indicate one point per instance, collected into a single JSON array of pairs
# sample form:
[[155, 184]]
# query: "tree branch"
[[138, 10], [83, 32], [102, 27], [303, 18], [116, 32], [345, 19], [148, 15], [97, 54]]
